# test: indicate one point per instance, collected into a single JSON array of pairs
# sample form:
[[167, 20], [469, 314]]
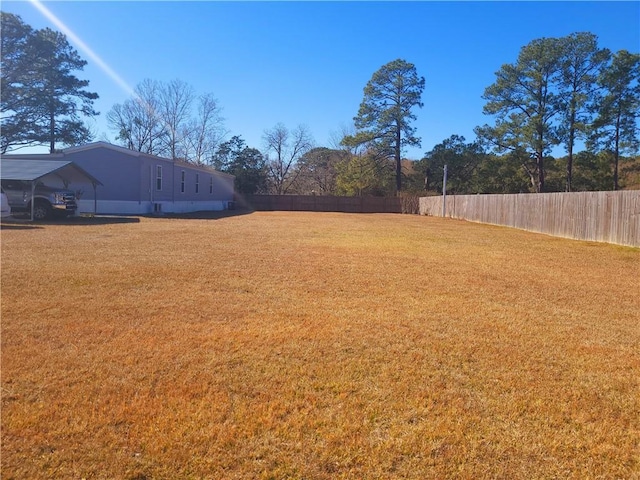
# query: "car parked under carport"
[[29, 194]]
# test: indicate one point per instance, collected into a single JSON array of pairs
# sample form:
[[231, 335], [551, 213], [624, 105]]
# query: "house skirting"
[[115, 207]]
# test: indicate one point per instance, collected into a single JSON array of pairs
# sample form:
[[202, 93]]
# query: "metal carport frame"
[[33, 170]]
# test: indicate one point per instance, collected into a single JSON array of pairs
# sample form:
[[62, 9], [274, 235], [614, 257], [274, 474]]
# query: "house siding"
[[222, 185], [119, 175]]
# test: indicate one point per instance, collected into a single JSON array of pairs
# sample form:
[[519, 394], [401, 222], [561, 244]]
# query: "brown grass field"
[[316, 346]]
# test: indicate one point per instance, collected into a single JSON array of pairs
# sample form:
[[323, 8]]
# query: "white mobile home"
[[139, 183]]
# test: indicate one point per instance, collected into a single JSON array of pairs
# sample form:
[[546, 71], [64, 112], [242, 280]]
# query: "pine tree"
[[385, 114], [42, 101]]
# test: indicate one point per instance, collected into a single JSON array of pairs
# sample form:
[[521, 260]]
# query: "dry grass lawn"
[[318, 346]]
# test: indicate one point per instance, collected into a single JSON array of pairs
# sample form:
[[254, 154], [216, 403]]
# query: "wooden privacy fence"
[[612, 217], [322, 203]]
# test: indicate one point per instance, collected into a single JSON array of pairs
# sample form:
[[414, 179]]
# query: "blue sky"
[[308, 62]]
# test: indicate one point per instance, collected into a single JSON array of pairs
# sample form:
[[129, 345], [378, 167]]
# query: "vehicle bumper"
[[65, 208]]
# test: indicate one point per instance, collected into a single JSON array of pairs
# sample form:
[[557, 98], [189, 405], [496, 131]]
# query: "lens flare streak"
[[83, 46]]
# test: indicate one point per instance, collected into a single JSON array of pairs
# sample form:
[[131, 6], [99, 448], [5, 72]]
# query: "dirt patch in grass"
[[312, 345]]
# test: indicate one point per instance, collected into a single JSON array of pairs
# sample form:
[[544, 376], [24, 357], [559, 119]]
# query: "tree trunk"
[[398, 161], [572, 137], [569, 168], [540, 165], [616, 154], [52, 132], [540, 160]]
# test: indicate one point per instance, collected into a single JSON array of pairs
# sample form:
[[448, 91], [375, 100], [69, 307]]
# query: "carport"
[[34, 170]]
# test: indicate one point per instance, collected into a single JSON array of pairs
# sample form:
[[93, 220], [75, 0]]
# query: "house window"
[[158, 177], [182, 182], [197, 183], [211, 185]]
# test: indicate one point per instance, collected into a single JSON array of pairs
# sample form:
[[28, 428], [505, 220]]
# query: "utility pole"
[[444, 192]]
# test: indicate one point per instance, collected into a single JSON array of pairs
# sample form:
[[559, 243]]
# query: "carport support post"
[[444, 192], [33, 194], [95, 198]]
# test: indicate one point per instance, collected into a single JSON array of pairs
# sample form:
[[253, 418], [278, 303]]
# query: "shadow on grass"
[[216, 215], [26, 223], [12, 225]]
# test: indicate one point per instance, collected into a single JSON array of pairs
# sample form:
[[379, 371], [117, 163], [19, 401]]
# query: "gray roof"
[[30, 170]]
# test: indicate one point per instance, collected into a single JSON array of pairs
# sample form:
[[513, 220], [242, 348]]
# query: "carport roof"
[[30, 170]]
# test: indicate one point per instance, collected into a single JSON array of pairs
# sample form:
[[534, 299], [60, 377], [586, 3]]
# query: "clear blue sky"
[[308, 62]]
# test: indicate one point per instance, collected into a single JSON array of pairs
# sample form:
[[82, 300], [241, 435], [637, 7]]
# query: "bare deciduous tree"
[[160, 120], [287, 148], [203, 134], [175, 101], [137, 120]]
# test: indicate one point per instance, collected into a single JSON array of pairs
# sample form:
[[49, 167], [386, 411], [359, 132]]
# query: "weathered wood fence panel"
[[323, 203], [612, 217]]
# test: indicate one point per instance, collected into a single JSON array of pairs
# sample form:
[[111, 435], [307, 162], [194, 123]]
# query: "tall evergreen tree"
[[581, 64], [524, 101], [385, 114], [615, 127], [63, 95], [42, 100], [14, 82]]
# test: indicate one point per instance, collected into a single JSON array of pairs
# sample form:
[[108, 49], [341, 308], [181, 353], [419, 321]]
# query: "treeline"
[[559, 93], [470, 170]]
